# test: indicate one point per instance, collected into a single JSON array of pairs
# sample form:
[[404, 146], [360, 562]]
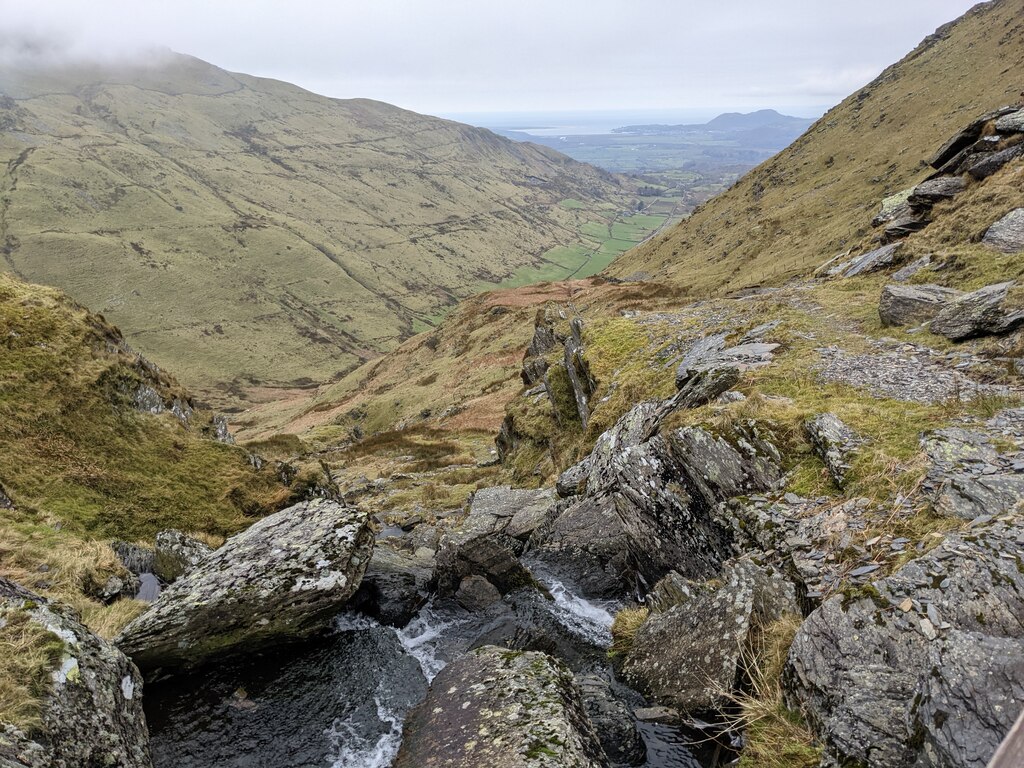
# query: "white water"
[[422, 638], [352, 749], [585, 619]]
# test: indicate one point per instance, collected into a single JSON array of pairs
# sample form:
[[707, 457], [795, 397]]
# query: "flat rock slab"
[[502, 709], [910, 304], [924, 667], [927, 193], [872, 261], [281, 580], [91, 712], [1007, 234]]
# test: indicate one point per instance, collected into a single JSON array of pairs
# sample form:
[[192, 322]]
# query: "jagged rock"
[[979, 313], [533, 509], [614, 722], [909, 304], [533, 371], [91, 703], [966, 137], [176, 554], [835, 443], [395, 585], [634, 427], [135, 558], [475, 593], [506, 441], [893, 207], [502, 709], [902, 275], [924, 667], [928, 193], [902, 227], [991, 164], [576, 366], [872, 261], [5, 500], [586, 541], [282, 579], [1007, 234], [710, 354], [572, 482], [667, 491], [1011, 123], [117, 587], [687, 657], [968, 477]]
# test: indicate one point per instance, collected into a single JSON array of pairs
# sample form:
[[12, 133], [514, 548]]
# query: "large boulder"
[[966, 137], [1007, 234], [924, 667], [687, 657], [90, 694], [176, 554], [281, 580], [502, 709], [979, 313], [909, 304]]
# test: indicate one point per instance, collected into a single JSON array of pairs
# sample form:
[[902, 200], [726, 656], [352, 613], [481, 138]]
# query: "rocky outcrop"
[[502, 709], [925, 667], [967, 476], [176, 554], [979, 313], [910, 304], [711, 354], [580, 378], [1011, 123], [872, 261], [281, 580], [687, 656], [1007, 234], [90, 700], [992, 163], [835, 443], [928, 193], [573, 480], [964, 139]]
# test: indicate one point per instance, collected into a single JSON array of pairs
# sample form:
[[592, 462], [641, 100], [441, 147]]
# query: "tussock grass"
[[28, 654], [626, 624]]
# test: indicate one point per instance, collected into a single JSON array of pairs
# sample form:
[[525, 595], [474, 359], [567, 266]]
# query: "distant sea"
[[592, 123]]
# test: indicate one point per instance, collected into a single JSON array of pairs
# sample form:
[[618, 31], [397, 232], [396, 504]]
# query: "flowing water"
[[340, 703]]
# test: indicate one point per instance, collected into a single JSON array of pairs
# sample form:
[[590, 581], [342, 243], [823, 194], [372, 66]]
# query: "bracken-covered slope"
[[816, 198], [245, 230]]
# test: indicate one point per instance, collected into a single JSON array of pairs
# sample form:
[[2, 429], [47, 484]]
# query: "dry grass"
[[28, 654], [624, 628]]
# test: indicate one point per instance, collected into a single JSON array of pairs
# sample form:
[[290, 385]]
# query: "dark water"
[[340, 703]]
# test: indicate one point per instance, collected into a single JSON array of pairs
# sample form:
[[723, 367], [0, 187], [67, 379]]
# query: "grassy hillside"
[[816, 198], [244, 230]]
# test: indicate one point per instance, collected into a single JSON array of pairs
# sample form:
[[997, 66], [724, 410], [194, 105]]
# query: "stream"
[[340, 702]]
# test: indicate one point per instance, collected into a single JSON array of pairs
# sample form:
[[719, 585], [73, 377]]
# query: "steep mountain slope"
[[815, 199], [243, 229]]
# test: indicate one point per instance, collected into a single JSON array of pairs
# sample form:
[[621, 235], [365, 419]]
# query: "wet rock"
[[979, 313], [1007, 234], [687, 657], [281, 580], [992, 163], [937, 680], [573, 481], [176, 554], [395, 585], [910, 304], [928, 193], [501, 709], [135, 558], [586, 541], [668, 490], [613, 720], [303, 706], [475, 593], [91, 713], [835, 443], [1011, 123]]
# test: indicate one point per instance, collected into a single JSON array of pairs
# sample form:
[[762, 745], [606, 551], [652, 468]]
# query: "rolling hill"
[[816, 198], [245, 231]]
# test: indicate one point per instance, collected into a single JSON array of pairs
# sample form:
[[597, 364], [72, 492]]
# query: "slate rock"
[[475, 593], [911, 304], [902, 227], [281, 580], [893, 207], [91, 705], [966, 137], [993, 163], [902, 275], [835, 443], [573, 481], [979, 313], [688, 656], [175, 554], [872, 261], [580, 378], [1007, 234], [1011, 123], [886, 687], [967, 477], [928, 193], [501, 709], [711, 354]]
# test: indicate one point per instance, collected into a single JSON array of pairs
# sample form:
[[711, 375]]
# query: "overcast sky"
[[459, 56]]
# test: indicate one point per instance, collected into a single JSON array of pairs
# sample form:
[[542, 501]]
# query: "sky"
[[477, 56]]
